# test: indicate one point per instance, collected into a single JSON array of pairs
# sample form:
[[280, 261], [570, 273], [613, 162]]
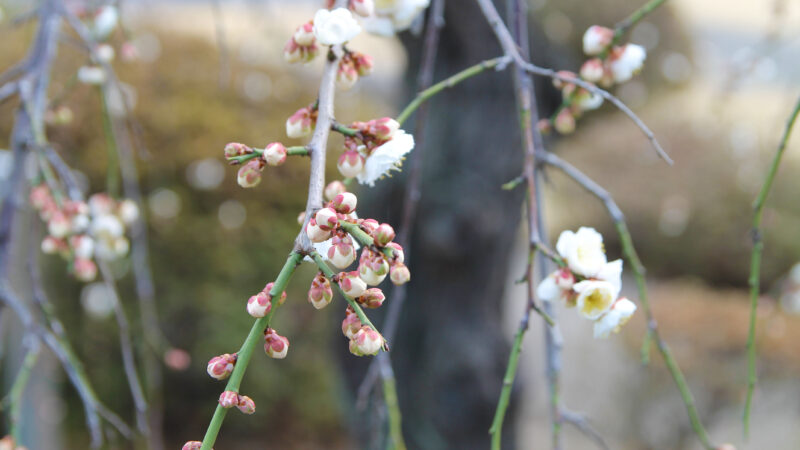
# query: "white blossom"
[[386, 158], [105, 22], [548, 290], [392, 16], [596, 39], [106, 225], [583, 251], [627, 62], [335, 27], [595, 297], [92, 75], [620, 313], [612, 272]]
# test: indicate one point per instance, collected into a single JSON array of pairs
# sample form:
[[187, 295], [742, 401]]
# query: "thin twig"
[[627, 23], [582, 424], [755, 264]]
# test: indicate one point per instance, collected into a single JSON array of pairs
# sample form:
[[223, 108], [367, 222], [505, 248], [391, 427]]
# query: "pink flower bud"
[[372, 268], [351, 163], [592, 70], [259, 305], [596, 39], [363, 63], [85, 269], [275, 345], [301, 217], [250, 174], [72, 207], [101, 204], [351, 324], [301, 123], [275, 154], [366, 341], [326, 219], [400, 274], [564, 278], [545, 127], [368, 225], [363, 8], [246, 405], [372, 299], [342, 252], [304, 35], [236, 149], [228, 399], [268, 288], [59, 225], [333, 189], [383, 234], [385, 128], [565, 122], [40, 196], [293, 53], [345, 202], [558, 84], [320, 294], [192, 445], [347, 75], [315, 233], [397, 251], [351, 284], [82, 245], [220, 367], [51, 245]]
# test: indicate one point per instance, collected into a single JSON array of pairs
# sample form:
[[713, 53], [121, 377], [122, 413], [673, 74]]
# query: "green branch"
[[755, 265], [627, 23], [14, 398], [246, 352], [297, 150]]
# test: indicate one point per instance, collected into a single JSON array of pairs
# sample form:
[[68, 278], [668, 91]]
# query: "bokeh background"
[[718, 84]]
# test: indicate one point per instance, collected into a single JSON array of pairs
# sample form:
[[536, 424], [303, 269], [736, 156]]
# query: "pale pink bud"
[[85, 269], [40, 196], [236, 149], [192, 445], [293, 53], [275, 154], [385, 128], [565, 122], [596, 39], [228, 399], [592, 70], [397, 251], [304, 35], [72, 207], [259, 305], [369, 225], [301, 218], [351, 284], [275, 345], [82, 245], [301, 123], [315, 233], [101, 204], [333, 189], [366, 341], [345, 202], [128, 211], [250, 174], [400, 274], [564, 278], [347, 75], [383, 234], [363, 63], [558, 84], [373, 268], [363, 8], [51, 245], [351, 163], [268, 288], [326, 219], [220, 367], [351, 324], [320, 294], [372, 299], [342, 252], [246, 405], [59, 225]]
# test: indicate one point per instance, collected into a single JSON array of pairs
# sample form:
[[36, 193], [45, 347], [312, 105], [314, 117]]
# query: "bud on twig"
[[275, 345], [320, 294], [220, 367], [228, 399]]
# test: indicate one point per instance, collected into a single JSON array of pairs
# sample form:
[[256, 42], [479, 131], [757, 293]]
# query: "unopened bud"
[[128, 211], [320, 294], [385, 128], [301, 123], [333, 189], [246, 405], [326, 219], [82, 245], [366, 341], [301, 217], [397, 251], [363, 8], [85, 269], [228, 399], [220, 367], [192, 445], [236, 149], [351, 163], [274, 154], [351, 323], [372, 299], [383, 234], [596, 39], [372, 268], [59, 225], [347, 75], [268, 290], [592, 70], [250, 174], [363, 63], [352, 284], [315, 233], [564, 278], [304, 35], [567, 75], [275, 345], [399, 274], [565, 122], [259, 305], [342, 252], [51, 245], [369, 225], [345, 202]]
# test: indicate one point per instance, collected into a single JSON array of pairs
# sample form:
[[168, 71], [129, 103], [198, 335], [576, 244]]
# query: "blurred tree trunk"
[[450, 352]]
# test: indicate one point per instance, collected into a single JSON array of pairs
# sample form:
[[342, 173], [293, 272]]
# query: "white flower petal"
[[386, 158], [335, 27]]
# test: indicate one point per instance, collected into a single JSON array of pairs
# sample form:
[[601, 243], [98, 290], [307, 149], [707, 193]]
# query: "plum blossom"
[[583, 251], [386, 158], [392, 16], [626, 61], [596, 39], [620, 312], [595, 297], [335, 27]]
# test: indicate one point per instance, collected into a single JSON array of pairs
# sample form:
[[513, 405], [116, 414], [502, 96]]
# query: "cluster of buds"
[[363, 339], [230, 399], [249, 175], [351, 66], [260, 305], [378, 147], [588, 282], [608, 65], [302, 46], [80, 231]]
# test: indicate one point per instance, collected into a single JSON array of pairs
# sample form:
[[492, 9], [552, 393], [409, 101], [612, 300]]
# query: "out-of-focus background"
[[718, 84]]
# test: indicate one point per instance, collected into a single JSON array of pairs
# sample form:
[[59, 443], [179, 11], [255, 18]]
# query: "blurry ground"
[[718, 108]]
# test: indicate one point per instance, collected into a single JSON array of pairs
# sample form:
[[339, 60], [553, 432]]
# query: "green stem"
[[448, 83], [297, 150], [18, 388], [755, 265], [112, 175], [626, 24], [395, 418], [363, 238], [336, 126], [505, 393], [246, 351]]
